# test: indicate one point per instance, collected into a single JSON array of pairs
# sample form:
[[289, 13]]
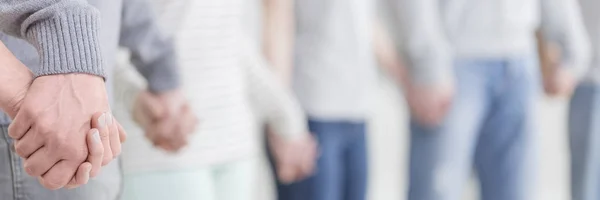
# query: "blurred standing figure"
[[334, 72], [484, 51], [225, 80], [584, 132]]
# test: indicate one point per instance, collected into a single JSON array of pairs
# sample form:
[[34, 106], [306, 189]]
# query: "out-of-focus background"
[[388, 142]]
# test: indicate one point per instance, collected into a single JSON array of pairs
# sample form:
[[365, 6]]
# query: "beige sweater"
[[226, 81]]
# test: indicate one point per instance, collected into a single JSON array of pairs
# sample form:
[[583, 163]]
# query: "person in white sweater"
[[332, 67], [474, 77], [230, 88]]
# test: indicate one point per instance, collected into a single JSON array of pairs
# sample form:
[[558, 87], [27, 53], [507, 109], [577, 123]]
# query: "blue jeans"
[[584, 138], [488, 127], [341, 172]]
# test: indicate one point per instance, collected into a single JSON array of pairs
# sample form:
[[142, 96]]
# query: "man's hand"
[[558, 81], [429, 104], [53, 121], [166, 118], [295, 160]]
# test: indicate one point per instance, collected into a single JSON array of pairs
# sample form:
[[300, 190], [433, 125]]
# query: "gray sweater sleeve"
[[64, 32], [562, 24], [428, 50], [152, 52]]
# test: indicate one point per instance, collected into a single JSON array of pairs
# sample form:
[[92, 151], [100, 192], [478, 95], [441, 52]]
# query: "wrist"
[[15, 79]]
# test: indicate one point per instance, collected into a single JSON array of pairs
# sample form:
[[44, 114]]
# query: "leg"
[[171, 185], [235, 181], [441, 157], [504, 155], [355, 159], [585, 141], [6, 174]]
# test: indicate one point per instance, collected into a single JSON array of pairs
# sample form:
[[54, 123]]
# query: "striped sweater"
[[226, 81]]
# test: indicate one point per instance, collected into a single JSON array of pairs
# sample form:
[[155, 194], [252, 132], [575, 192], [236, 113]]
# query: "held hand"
[[429, 104], [558, 81], [295, 160], [166, 118], [52, 123]]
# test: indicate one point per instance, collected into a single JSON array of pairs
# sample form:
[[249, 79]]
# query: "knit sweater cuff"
[[68, 43]]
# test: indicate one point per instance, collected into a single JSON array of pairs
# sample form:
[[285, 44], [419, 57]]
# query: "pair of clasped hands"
[[63, 128]]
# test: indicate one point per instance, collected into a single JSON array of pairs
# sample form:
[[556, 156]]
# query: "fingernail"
[[96, 136], [102, 121], [109, 119]]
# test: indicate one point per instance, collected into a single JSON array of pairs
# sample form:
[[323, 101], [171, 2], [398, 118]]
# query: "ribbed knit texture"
[[68, 43]]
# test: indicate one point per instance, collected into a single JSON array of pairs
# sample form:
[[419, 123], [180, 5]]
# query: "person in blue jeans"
[[583, 126], [474, 79], [337, 46]]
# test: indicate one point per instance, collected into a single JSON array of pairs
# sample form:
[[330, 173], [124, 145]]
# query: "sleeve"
[[428, 51], [64, 33], [152, 52], [562, 24], [270, 98], [129, 84]]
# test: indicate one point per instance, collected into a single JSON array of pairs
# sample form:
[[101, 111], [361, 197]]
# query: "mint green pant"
[[231, 181]]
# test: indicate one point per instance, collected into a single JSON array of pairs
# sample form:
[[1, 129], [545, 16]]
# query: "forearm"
[[387, 55], [428, 51], [562, 24], [64, 32], [152, 52], [274, 102], [278, 36], [15, 79]]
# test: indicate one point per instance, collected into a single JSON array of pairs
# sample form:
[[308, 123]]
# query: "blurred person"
[[583, 133], [472, 89], [329, 58], [228, 85], [58, 73]]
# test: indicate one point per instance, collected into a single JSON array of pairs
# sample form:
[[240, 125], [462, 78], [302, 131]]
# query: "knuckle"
[[104, 135], [20, 149], [30, 169], [54, 183], [71, 151], [45, 126]]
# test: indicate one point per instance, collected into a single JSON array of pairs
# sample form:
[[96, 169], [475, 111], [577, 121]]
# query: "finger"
[[39, 162], [19, 126], [96, 151], [59, 175], [122, 133], [99, 122], [188, 123], [310, 157], [28, 144], [286, 174], [81, 177], [113, 135]]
